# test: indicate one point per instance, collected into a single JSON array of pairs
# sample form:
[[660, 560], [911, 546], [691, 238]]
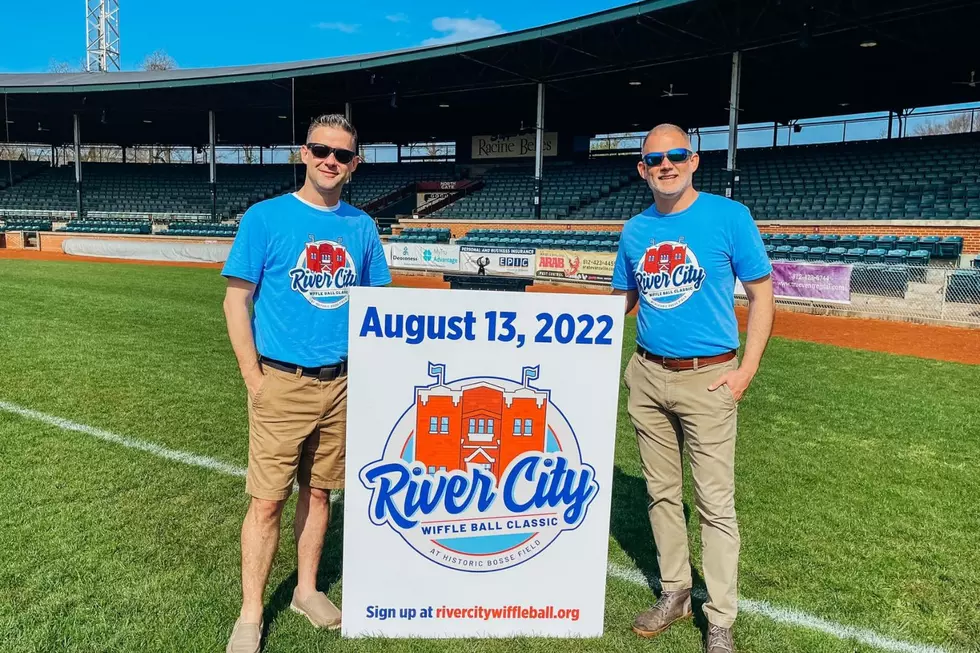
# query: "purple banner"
[[823, 282]]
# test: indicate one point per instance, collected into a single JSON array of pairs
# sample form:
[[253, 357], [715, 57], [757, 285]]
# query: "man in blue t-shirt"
[[679, 260], [295, 259]]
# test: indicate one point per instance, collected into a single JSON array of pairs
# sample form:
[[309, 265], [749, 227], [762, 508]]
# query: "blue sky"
[[202, 33]]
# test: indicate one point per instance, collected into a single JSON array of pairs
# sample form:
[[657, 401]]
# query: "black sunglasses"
[[321, 151], [676, 155]]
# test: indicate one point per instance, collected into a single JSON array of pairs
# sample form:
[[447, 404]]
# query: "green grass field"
[[858, 487]]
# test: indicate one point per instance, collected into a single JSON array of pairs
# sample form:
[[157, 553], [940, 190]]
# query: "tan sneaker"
[[245, 638], [719, 640], [321, 612], [672, 607]]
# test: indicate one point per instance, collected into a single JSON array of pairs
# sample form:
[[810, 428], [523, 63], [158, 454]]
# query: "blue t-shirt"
[[684, 266], [303, 260]]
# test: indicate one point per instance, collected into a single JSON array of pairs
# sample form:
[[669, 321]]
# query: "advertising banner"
[[507, 261], [422, 256], [479, 480], [512, 147], [821, 282], [575, 264]]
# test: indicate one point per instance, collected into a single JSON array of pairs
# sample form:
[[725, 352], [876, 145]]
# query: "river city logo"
[[324, 273], [668, 274], [480, 474]]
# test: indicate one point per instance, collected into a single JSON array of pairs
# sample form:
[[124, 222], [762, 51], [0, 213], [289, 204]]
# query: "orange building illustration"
[[478, 425], [664, 258]]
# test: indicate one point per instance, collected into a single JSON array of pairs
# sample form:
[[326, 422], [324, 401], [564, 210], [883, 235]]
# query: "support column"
[[733, 106], [775, 134], [890, 116], [261, 157], [292, 113], [213, 165], [350, 181], [6, 126], [124, 154], [539, 153], [78, 165], [54, 161]]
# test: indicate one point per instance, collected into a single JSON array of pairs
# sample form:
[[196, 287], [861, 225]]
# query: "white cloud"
[[397, 18], [346, 28], [462, 29]]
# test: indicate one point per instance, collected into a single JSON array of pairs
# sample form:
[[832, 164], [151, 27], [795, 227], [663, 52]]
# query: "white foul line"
[[155, 449], [632, 575], [799, 619]]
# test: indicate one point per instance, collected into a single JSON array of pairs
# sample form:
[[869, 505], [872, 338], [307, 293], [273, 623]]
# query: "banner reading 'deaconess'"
[[510, 261], [479, 466], [423, 256], [575, 264]]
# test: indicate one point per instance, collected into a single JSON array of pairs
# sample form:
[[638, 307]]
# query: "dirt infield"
[[956, 344]]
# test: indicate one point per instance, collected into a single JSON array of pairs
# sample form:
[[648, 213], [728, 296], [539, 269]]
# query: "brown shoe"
[[672, 606], [719, 640], [245, 638], [321, 612]]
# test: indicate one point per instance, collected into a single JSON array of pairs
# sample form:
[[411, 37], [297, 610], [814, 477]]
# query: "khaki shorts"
[[297, 433]]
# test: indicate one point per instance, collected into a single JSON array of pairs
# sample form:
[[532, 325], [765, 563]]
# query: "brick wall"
[[460, 229], [970, 234], [969, 230]]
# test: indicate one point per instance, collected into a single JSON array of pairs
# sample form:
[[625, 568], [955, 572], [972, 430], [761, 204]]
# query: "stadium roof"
[[605, 72]]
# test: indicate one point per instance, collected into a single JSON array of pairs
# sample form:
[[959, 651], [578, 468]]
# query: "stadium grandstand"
[[520, 113]]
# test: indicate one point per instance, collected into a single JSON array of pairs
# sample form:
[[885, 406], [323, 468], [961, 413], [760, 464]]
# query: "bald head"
[[666, 136]]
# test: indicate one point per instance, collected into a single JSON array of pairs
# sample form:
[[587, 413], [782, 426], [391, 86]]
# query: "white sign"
[[511, 147], [479, 463], [424, 256], [509, 261]]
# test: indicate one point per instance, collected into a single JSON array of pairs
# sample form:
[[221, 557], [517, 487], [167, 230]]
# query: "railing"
[[459, 193], [105, 215]]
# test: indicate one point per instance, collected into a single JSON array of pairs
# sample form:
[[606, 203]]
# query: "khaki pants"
[[671, 409]]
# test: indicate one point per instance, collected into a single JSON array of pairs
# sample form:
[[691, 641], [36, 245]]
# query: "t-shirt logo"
[[668, 274], [324, 274]]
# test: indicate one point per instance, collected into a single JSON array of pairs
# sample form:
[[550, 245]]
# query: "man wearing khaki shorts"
[[295, 258], [679, 259]]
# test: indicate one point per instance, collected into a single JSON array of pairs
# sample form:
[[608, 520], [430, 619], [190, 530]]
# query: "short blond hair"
[[334, 120]]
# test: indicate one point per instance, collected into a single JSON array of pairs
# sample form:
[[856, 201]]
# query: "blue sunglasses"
[[676, 155]]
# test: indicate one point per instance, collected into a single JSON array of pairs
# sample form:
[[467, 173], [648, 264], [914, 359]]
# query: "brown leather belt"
[[681, 364]]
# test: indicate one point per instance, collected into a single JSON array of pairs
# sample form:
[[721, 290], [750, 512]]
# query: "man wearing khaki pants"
[[295, 258], [679, 260]]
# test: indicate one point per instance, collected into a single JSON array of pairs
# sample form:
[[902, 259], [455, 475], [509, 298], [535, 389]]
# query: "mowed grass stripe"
[[629, 574]]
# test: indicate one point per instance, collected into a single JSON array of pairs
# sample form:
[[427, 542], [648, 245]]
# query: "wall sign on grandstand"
[[422, 256], [508, 261], [575, 265], [478, 489], [513, 147]]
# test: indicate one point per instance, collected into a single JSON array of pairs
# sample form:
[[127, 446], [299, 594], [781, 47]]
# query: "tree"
[[158, 60], [55, 66], [959, 123]]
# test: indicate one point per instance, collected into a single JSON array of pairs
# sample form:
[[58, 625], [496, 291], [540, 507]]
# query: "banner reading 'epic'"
[[507, 261]]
